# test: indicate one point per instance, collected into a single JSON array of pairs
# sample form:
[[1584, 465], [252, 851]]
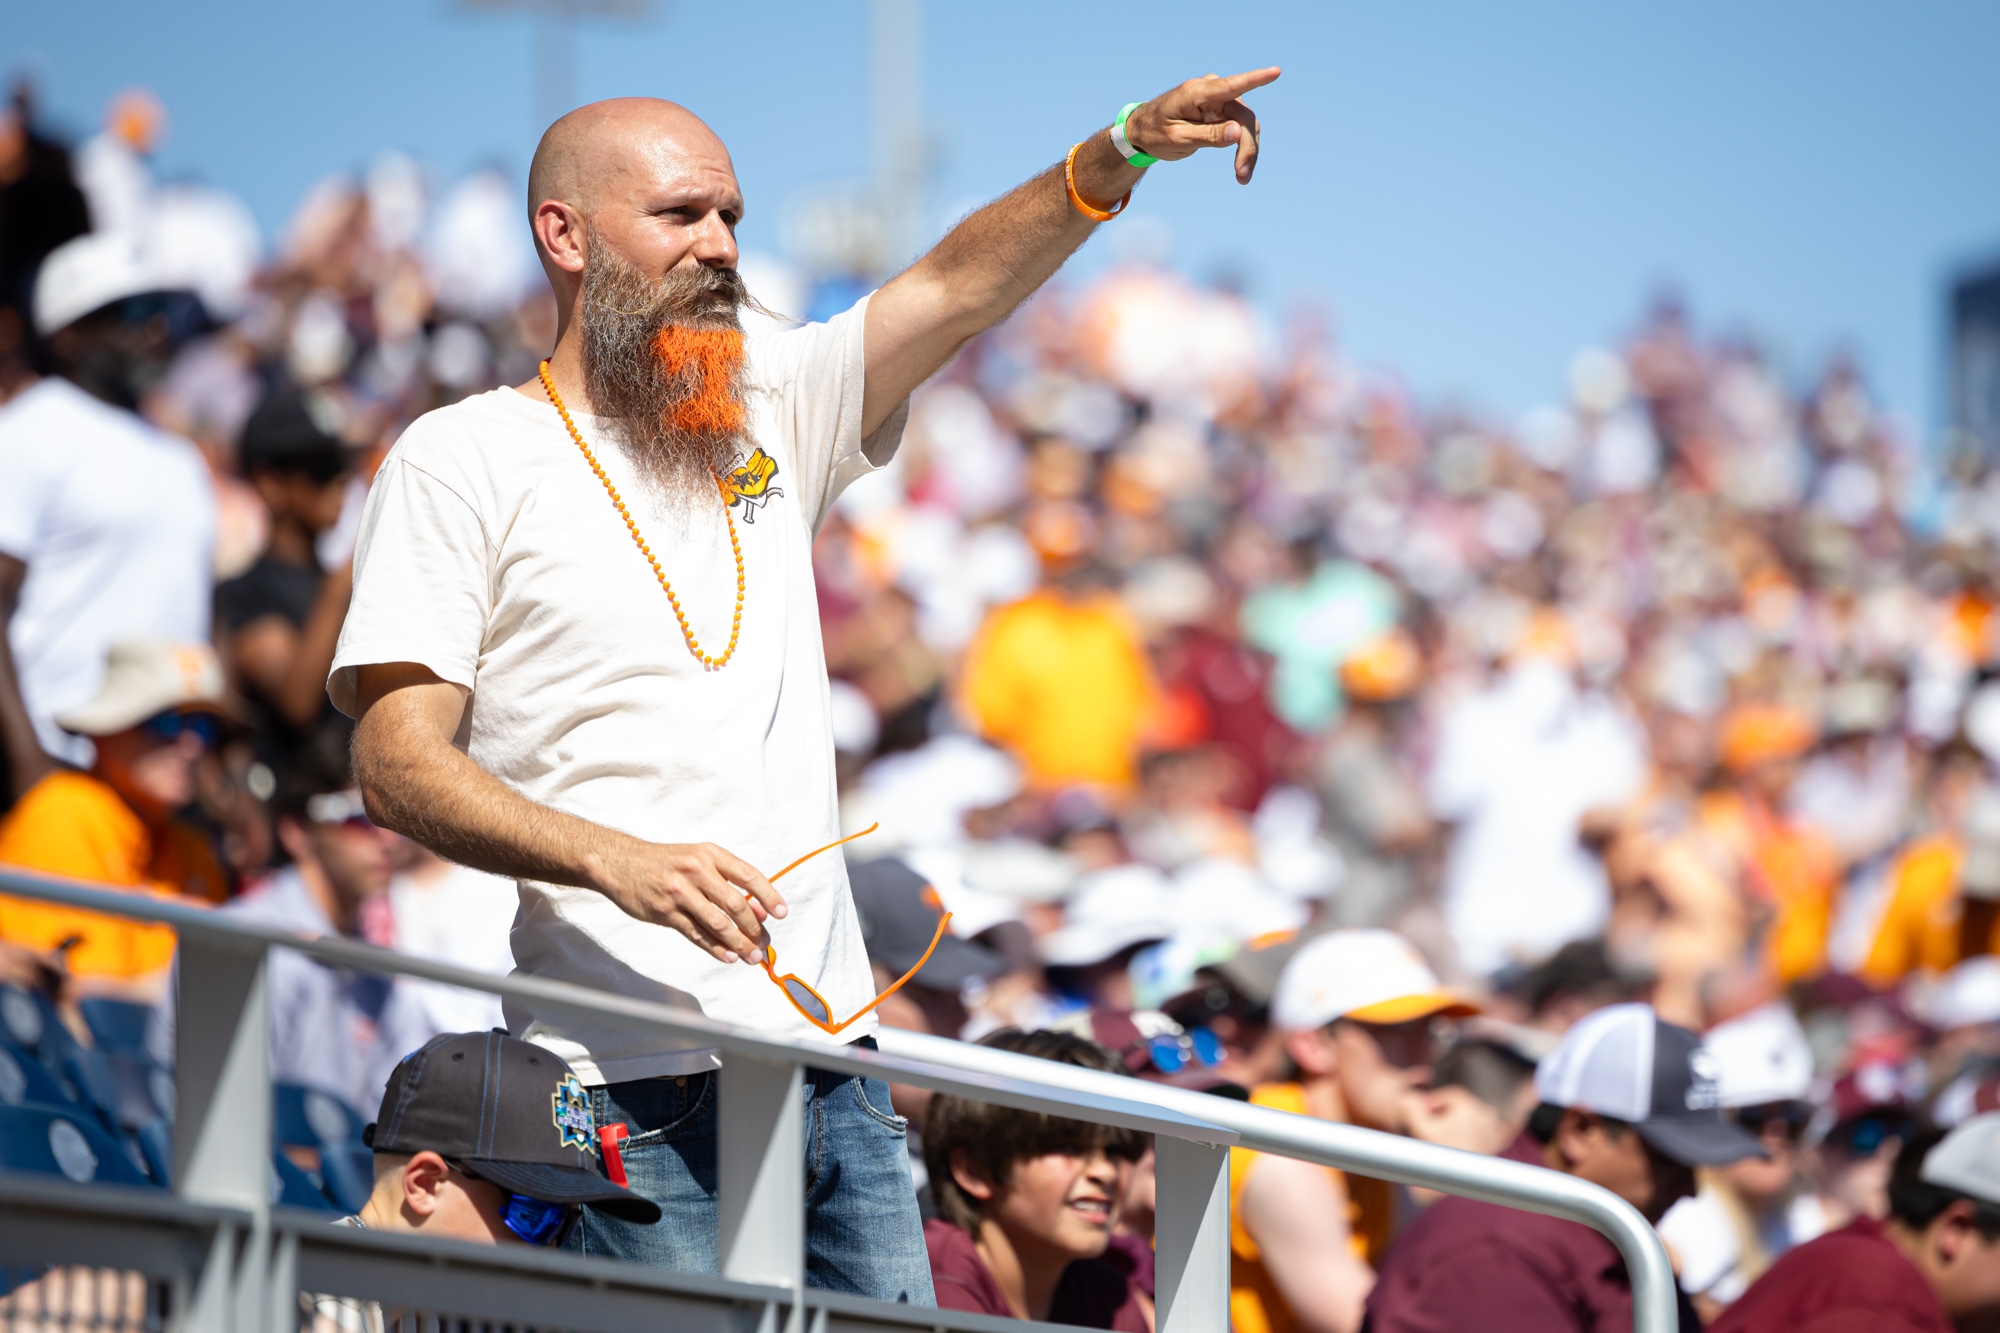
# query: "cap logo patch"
[[572, 1116], [1702, 1093]]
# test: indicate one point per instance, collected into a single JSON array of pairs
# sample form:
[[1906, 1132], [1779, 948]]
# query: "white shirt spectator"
[[1518, 766], [490, 554], [336, 1030], [115, 521]]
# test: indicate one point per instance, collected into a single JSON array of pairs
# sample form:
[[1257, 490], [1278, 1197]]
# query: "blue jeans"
[[863, 1233]]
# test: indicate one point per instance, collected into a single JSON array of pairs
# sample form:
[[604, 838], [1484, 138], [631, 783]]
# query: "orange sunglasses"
[[811, 1006]]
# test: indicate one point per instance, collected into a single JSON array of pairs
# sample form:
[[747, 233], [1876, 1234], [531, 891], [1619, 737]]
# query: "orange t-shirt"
[[1791, 868], [75, 825], [1920, 929], [1065, 685], [1255, 1304]]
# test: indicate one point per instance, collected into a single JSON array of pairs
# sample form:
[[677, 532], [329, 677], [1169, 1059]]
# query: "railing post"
[[1191, 1236], [760, 1177], [222, 1122]]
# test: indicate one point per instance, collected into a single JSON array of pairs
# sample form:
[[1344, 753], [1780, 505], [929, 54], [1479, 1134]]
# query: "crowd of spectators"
[[1263, 729]]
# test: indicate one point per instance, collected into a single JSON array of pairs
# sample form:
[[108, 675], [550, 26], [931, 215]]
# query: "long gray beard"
[[623, 313]]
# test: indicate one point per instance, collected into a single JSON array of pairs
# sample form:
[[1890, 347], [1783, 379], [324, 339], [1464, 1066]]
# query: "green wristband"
[[1123, 144]]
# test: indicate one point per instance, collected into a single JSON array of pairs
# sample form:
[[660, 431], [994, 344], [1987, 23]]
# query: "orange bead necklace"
[[632, 524]]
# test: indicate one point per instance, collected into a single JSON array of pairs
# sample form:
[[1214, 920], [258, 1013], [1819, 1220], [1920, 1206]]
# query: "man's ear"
[[296, 839], [971, 1176], [558, 226], [1313, 1052], [424, 1177], [1952, 1233], [1576, 1133]]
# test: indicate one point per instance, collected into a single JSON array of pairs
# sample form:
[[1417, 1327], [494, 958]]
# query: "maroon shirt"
[[1092, 1293], [1465, 1264], [1848, 1281]]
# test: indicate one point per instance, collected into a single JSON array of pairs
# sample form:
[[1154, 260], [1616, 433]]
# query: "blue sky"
[[1475, 189]]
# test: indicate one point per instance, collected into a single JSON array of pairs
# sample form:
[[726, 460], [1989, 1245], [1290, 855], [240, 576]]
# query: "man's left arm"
[[995, 259]]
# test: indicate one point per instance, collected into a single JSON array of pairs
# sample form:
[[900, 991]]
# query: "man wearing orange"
[[1788, 868], [158, 713], [1356, 1007], [1061, 679]]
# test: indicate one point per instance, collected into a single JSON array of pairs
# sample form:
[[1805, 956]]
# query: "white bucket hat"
[[143, 677]]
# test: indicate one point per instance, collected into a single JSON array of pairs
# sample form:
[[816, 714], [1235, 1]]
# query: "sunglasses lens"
[[802, 996], [172, 726], [1168, 1057], [1207, 1047], [1865, 1138], [534, 1221]]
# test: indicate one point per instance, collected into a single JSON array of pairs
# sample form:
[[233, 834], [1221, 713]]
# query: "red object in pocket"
[[608, 1139]]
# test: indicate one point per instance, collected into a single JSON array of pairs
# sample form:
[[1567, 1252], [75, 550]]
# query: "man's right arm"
[[417, 782], [1297, 1214], [27, 762]]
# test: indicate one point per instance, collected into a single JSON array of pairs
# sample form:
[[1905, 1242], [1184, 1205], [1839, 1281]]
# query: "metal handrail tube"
[[983, 1073], [1370, 1153], [679, 1028]]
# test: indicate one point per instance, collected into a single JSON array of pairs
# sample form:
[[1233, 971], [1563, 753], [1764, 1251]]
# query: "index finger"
[[1238, 84], [751, 880]]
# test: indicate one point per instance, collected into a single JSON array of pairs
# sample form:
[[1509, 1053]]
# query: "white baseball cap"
[[1111, 911], [1967, 1159], [145, 677], [1761, 1057], [1371, 976], [1624, 1062], [86, 274]]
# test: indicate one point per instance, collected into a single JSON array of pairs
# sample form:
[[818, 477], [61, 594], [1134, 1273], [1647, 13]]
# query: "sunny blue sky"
[[1476, 189]]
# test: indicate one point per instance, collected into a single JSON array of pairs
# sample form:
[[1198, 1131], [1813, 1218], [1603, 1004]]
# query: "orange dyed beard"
[[710, 363]]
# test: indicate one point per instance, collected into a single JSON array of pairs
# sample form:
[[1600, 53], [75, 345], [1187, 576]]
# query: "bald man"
[[584, 648]]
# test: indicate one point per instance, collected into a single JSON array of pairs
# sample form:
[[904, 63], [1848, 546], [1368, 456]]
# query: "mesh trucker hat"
[[1623, 1062], [508, 1111], [1967, 1159]]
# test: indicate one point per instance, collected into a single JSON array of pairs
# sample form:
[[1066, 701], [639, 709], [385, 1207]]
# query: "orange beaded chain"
[[736, 626]]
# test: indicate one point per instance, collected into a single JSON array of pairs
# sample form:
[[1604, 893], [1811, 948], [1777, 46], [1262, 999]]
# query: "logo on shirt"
[[572, 1115], [750, 485]]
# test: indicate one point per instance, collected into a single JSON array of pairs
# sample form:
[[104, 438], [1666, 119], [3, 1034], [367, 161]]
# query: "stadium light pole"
[[555, 24]]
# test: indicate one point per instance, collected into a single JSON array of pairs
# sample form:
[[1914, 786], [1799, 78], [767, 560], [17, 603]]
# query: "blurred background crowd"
[[1169, 642]]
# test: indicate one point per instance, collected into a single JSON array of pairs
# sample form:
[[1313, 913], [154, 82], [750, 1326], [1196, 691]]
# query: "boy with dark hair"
[[1932, 1267], [1027, 1202]]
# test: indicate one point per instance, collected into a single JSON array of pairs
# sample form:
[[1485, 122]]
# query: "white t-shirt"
[[116, 523], [462, 917], [490, 553]]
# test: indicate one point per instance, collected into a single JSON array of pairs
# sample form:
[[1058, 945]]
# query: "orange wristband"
[[1069, 183]]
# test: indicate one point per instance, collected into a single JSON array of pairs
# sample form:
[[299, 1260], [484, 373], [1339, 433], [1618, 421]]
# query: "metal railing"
[[218, 1256]]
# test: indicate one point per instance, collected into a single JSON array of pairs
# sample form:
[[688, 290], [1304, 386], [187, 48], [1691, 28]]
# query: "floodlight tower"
[[555, 26], [896, 108]]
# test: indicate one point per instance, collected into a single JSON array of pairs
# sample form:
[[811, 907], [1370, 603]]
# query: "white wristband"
[[1124, 145]]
